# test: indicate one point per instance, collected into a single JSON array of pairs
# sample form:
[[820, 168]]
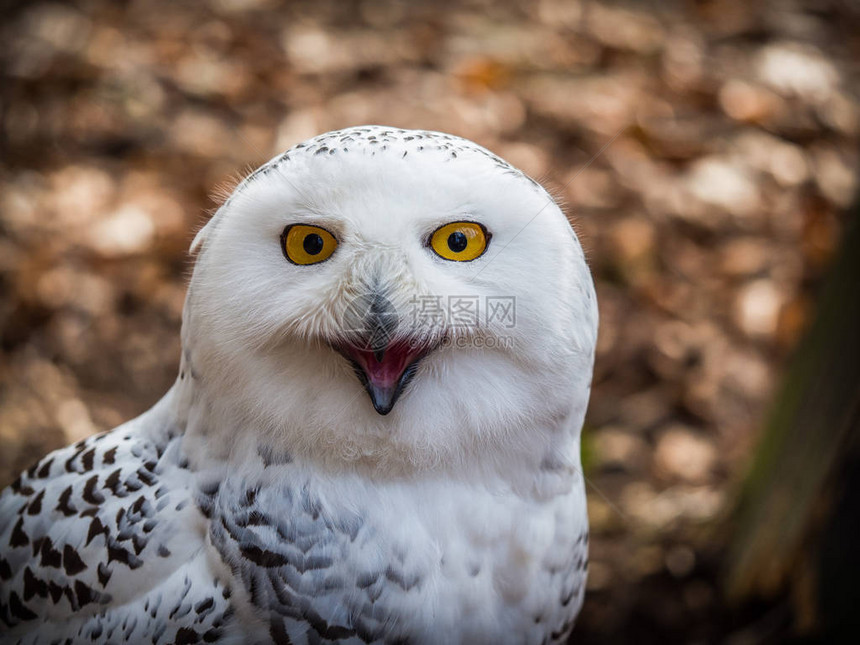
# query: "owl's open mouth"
[[386, 372]]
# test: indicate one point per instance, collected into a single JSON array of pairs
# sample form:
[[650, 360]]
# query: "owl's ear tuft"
[[203, 234], [197, 242]]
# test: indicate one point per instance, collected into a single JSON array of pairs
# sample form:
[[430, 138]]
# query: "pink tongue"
[[385, 373]]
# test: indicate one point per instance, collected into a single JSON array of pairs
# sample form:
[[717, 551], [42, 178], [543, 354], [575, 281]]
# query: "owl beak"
[[383, 362], [385, 372]]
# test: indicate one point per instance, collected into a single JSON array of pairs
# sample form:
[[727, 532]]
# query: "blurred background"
[[705, 151]]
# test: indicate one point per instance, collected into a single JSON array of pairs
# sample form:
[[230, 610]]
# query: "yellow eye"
[[460, 241], [305, 244]]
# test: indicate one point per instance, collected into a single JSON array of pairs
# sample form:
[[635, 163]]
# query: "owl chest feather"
[[351, 560]]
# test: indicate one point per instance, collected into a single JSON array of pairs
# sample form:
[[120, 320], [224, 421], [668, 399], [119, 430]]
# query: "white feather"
[[466, 502]]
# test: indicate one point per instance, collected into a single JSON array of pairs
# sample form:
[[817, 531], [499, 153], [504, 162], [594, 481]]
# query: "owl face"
[[371, 296]]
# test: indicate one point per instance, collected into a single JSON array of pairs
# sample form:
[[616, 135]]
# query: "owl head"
[[389, 298]]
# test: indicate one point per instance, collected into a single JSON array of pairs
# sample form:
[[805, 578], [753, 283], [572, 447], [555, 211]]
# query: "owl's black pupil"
[[312, 244], [457, 241]]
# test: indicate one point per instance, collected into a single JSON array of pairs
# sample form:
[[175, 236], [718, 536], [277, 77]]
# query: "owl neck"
[[215, 435], [234, 407]]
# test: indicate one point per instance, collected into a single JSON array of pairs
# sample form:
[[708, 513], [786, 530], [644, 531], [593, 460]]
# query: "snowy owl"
[[388, 342]]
